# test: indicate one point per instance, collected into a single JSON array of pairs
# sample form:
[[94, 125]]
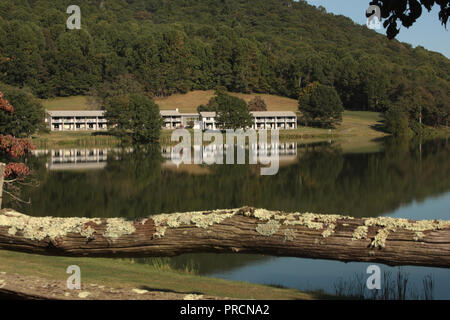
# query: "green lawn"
[[126, 273], [67, 103], [74, 139], [364, 115], [356, 124]]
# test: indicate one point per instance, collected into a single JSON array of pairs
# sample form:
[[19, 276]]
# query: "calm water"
[[400, 179]]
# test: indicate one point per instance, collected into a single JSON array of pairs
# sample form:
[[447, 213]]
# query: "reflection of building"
[[211, 153], [76, 120], [75, 159], [262, 120], [85, 159]]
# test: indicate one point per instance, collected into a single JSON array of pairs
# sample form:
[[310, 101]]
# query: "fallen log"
[[246, 230]]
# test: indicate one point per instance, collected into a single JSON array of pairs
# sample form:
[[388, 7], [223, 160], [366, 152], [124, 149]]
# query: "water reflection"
[[316, 178], [404, 179], [74, 159]]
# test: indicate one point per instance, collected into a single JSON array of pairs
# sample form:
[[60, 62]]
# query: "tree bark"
[[2, 172], [245, 230]]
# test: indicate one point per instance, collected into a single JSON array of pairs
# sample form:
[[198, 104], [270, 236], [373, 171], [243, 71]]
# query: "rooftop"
[[76, 113], [273, 113], [257, 114]]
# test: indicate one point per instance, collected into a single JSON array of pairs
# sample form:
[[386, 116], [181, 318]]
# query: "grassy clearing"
[[74, 139], [67, 103], [360, 126], [126, 273], [190, 101], [184, 102], [357, 128]]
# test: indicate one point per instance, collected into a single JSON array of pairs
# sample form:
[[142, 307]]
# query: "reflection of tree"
[[21, 190], [206, 263], [320, 167], [324, 180], [124, 188]]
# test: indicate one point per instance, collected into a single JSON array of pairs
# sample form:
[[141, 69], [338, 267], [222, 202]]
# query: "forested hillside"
[[263, 46]]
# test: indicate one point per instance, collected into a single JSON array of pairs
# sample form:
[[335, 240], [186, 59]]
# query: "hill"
[[248, 46], [190, 101]]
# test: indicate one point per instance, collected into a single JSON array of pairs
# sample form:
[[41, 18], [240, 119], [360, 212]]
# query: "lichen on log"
[[243, 230]]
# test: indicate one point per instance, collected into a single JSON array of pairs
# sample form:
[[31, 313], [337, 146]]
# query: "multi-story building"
[[274, 120], [76, 120], [173, 119], [208, 120], [262, 120]]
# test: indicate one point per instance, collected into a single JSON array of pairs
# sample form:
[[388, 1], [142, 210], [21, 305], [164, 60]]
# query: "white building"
[[274, 120], [208, 120], [76, 120], [94, 120], [174, 119], [262, 120]]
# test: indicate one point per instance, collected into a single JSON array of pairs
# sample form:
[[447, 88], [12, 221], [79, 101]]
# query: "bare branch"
[[16, 198]]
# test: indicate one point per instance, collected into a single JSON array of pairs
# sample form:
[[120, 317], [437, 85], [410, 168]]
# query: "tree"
[[396, 121], [408, 11], [257, 104], [13, 149], [320, 103], [119, 86], [232, 112], [134, 117], [26, 117], [205, 108]]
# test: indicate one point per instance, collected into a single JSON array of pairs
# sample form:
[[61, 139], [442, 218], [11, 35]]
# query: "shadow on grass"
[[379, 126], [169, 290], [102, 133]]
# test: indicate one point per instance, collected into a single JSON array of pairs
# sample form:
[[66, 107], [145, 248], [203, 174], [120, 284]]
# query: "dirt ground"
[[17, 287]]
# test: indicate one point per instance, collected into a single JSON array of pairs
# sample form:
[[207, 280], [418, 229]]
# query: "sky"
[[426, 32]]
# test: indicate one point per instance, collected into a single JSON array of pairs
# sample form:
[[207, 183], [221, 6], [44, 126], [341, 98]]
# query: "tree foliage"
[[25, 118], [321, 104], [262, 46], [232, 112], [12, 149], [407, 12], [396, 121], [135, 118]]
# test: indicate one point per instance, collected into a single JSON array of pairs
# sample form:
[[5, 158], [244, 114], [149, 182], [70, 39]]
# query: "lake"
[[390, 178]]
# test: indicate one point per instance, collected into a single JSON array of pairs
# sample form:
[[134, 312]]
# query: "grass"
[[358, 127], [393, 287], [126, 273], [74, 139], [184, 102], [67, 103], [190, 101]]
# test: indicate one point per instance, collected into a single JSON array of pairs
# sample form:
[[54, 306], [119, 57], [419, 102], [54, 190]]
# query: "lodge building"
[[262, 120], [75, 120], [94, 120]]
